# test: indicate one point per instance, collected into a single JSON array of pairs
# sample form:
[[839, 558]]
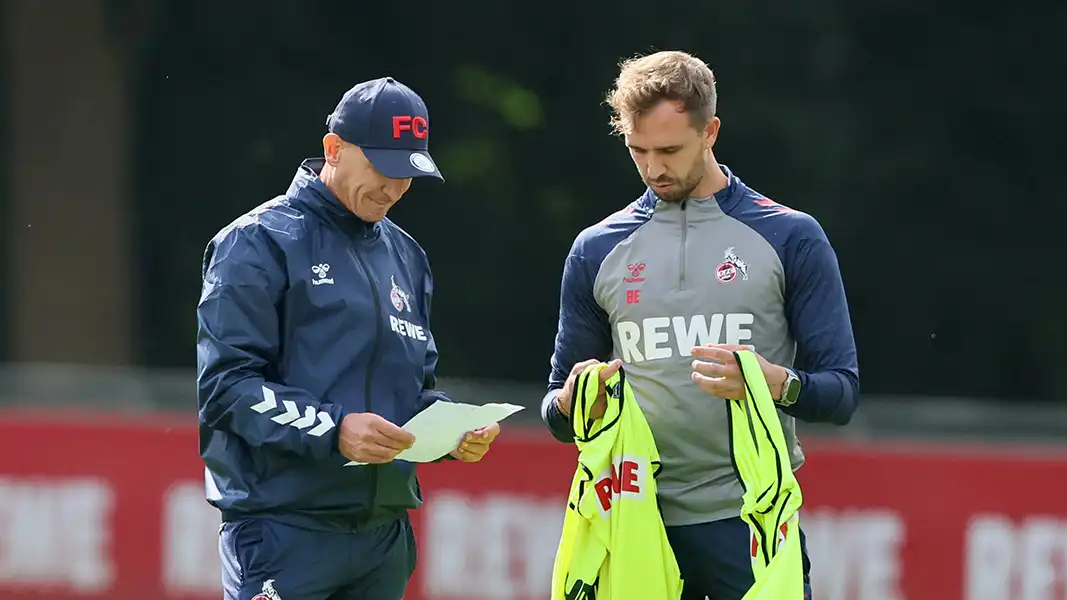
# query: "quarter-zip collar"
[[695, 210], [308, 190]]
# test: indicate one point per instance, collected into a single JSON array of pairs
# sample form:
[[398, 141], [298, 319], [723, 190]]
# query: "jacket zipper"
[[368, 405], [681, 263]]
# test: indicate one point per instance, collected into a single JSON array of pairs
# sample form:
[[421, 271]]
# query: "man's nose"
[[654, 168]]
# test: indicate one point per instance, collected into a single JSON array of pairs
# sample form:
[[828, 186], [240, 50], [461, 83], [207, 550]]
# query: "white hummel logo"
[[320, 272], [292, 416]]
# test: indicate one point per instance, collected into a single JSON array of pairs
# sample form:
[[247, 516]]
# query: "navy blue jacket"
[[307, 314]]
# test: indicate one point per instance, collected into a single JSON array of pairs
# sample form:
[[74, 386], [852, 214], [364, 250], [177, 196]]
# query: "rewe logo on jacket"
[[656, 338], [624, 479], [401, 301]]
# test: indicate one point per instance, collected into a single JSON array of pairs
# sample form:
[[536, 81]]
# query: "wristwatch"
[[790, 389]]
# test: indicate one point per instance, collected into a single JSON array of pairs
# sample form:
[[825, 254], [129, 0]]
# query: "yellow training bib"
[[614, 545], [772, 495]]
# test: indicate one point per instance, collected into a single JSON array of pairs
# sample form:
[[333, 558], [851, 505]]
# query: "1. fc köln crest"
[[731, 267], [268, 592]]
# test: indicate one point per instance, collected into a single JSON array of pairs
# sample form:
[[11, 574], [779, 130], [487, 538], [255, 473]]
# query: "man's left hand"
[[720, 376], [476, 443]]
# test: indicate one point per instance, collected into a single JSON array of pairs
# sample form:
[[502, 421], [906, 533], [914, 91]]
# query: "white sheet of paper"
[[439, 429]]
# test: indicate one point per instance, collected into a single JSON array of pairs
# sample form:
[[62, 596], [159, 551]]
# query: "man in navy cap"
[[313, 346]]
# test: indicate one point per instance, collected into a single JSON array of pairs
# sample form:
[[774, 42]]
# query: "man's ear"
[[331, 148], [711, 132]]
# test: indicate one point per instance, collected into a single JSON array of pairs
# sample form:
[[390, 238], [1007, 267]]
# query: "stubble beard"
[[687, 185], [684, 189]]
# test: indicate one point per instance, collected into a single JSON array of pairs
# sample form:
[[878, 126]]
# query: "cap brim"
[[401, 164]]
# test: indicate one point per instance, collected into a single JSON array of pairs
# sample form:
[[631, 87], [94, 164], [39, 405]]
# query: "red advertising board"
[[114, 510]]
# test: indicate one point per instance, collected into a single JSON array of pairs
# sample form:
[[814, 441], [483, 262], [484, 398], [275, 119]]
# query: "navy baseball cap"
[[389, 122]]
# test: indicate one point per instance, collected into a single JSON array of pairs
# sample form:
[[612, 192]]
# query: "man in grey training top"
[[698, 266]]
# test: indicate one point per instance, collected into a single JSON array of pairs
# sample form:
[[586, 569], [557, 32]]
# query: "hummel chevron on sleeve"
[[238, 337]]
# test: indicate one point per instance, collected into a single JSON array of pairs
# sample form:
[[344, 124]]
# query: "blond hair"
[[644, 81]]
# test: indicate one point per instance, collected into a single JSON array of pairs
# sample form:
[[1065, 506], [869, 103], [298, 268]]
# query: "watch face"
[[792, 389]]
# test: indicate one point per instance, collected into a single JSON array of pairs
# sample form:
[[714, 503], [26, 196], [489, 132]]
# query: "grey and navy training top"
[[657, 278]]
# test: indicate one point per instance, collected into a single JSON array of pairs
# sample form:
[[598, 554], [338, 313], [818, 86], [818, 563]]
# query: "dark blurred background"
[[926, 137]]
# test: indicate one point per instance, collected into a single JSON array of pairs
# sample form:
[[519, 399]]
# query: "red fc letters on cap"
[[416, 125]]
